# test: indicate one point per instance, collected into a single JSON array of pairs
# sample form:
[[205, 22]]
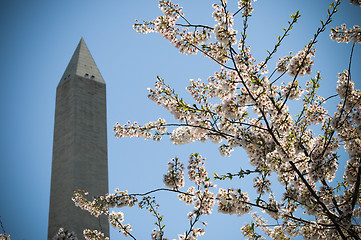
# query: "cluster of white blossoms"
[[189, 40], [193, 235], [356, 2], [100, 205], [273, 207], [225, 35], [64, 235], [232, 201], [116, 219], [202, 198], [145, 131], [165, 96], [262, 185], [196, 169], [158, 235], [174, 179], [246, 6], [204, 202], [170, 9], [186, 41], [301, 63], [81, 202], [283, 231], [118, 199], [4, 236], [344, 35], [188, 197], [94, 235], [293, 90], [344, 85], [316, 113], [182, 135], [283, 63], [225, 150], [248, 231], [223, 31], [223, 84]]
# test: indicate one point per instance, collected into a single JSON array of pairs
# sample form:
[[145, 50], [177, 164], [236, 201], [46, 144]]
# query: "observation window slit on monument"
[[67, 77]]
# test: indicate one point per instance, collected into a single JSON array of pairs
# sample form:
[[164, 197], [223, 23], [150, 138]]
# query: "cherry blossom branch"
[[196, 219], [100, 226], [280, 39], [325, 209], [271, 75], [240, 174], [179, 14], [2, 226], [312, 95], [279, 77], [159, 190], [215, 131], [326, 99], [265, 119], [159, 218], [249, 125], [323, 181], [234, 14], [211, 57], [313, 42], [194, 25], [243, 34], [287, 215], [245, 202], [253, 98], [355, 194], [124, 229], [346, 98], [195, 46]]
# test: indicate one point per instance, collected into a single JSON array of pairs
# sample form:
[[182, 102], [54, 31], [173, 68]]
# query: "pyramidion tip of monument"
[[82, 64]]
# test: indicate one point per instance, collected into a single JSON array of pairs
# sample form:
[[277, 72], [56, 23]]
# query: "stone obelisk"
[[80, 145]]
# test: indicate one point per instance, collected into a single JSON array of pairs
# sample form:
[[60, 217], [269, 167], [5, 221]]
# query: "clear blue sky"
[[37, 41]]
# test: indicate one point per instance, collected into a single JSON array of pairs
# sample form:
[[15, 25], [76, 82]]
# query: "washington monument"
[[80, 145]]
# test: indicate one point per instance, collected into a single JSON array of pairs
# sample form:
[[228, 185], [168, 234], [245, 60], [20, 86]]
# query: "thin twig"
[[194, 25]]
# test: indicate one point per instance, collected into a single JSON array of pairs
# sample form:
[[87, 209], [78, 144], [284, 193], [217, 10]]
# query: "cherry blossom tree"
[[246, 105]]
